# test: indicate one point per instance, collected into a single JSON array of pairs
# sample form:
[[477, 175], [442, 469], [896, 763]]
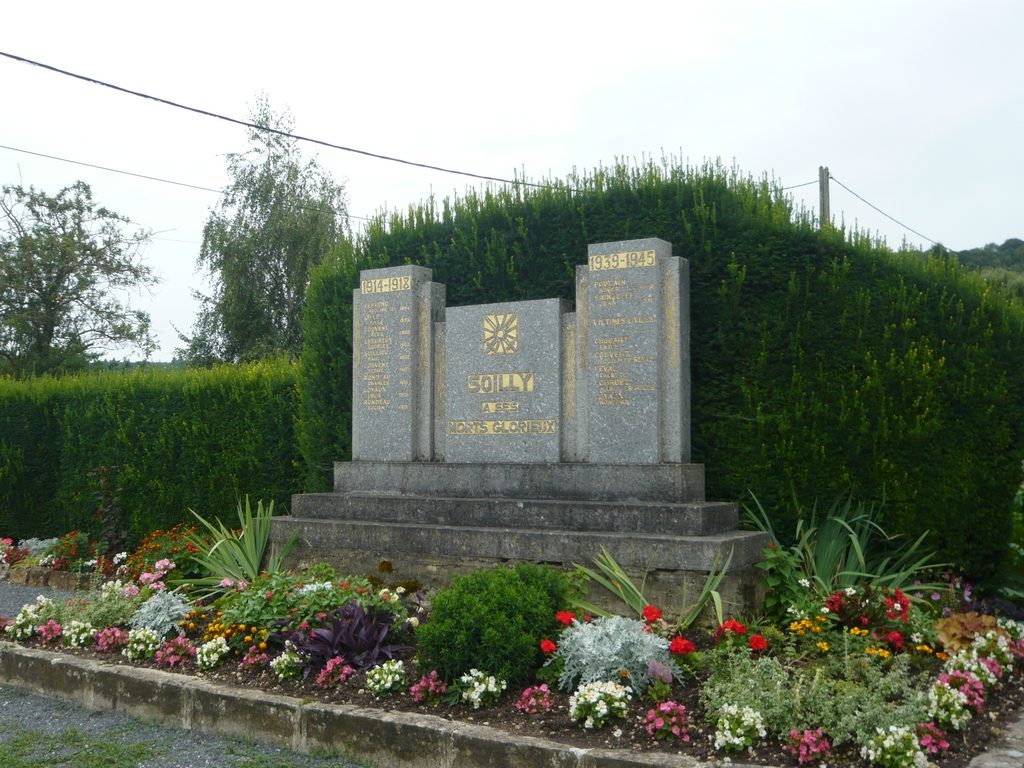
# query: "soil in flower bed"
[[1001, 707]]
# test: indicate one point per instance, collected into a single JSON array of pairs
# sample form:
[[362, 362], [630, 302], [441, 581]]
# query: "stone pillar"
[[394, 311], [503, 382], [633, 381]]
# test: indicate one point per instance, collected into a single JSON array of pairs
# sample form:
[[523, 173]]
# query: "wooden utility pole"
[[825, 218]]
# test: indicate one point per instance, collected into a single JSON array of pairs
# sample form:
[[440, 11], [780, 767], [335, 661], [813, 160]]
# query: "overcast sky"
[[916, 106]]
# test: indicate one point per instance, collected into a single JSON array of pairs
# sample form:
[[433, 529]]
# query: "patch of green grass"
[[25, 748]]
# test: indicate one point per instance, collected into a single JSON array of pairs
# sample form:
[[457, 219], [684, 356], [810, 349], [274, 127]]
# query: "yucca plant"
[[223, 553], [847, 547], [612, 577]]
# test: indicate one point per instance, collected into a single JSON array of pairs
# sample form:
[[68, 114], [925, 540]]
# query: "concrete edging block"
[[398, 739], [395, 739]]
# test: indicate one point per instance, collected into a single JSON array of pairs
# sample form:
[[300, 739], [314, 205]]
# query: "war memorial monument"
[[523, 431]]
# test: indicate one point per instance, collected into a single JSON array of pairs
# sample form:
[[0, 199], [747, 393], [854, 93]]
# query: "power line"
[[797, 186], [150, 178], [112, 170], [892, 218], [268, 129]]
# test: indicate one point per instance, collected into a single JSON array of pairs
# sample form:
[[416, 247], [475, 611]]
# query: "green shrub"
[[167, 440], [823, 363], [848, 697], [494, 621]]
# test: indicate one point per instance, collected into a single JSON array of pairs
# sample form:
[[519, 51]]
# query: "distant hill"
[[1009, 255], [999, 264]]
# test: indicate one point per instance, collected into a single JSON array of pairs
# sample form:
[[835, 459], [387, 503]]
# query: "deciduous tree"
[[277, 219], [66, 265]]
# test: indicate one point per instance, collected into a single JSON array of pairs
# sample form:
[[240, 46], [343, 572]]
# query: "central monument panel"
[[503, 382]]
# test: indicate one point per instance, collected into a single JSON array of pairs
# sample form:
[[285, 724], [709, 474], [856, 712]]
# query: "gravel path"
[[22, 713]]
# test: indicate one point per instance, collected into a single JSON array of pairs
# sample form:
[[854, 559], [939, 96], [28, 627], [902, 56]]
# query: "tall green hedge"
[[823, 363], [170, 441]]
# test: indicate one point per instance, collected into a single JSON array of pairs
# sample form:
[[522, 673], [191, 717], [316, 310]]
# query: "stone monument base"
[[431, 521]]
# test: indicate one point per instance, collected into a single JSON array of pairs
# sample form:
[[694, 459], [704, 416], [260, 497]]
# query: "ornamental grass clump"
[[597, 702], [611, 648], [480, 689], [387, 678]]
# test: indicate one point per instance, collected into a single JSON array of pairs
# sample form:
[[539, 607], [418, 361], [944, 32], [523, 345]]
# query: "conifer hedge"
[[823, 363], [169, 441]]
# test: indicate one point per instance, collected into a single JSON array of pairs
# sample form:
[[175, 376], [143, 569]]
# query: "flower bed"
[[863, 675]]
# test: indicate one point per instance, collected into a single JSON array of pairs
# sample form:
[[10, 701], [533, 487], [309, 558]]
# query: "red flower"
[[895, 640], [565, 617], [757, 643], [680, 646], [731, 625], [547, 646], [834, 602], [651, 614], [897, 606]]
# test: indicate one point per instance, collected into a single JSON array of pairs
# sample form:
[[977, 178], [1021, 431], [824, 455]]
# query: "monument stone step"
[[631, 550], [656, 518], [674, 483]]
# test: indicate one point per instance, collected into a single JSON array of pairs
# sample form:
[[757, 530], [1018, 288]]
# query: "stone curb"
[[393, 739]]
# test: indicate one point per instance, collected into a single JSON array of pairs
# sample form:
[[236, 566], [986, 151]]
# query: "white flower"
[[805, 583]]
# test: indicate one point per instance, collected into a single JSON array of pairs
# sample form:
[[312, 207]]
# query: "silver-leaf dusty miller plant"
[[611, 648], [162, 613]]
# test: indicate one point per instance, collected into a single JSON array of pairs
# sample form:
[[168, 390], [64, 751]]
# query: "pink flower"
[[534, 701], [808, 746], [50, 631], [429, 688], [225, 582], [667, 720], [131, 590], [335, 672]]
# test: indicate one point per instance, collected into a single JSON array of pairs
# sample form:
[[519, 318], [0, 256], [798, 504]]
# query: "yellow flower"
[[822, 646], [922, 648]]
